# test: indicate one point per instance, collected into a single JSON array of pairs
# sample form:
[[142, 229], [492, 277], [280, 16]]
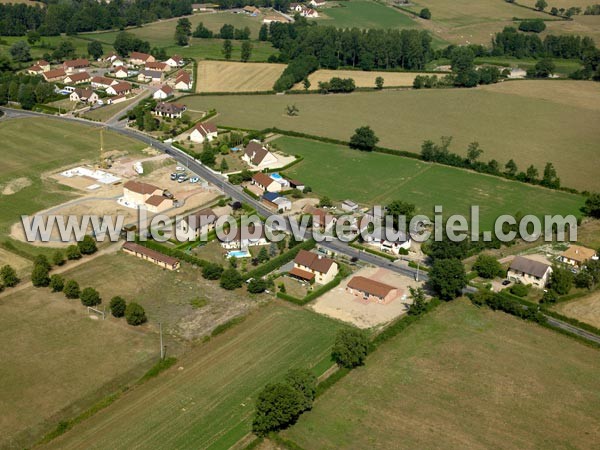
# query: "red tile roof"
[[205, 128], [313, 261], [152, 254], [139, 187], [371, 287], [262, 179], [308, 276]]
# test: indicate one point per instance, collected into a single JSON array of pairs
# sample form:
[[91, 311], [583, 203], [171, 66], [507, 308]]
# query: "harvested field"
[[463, 377], [586, 309], [219, 76], [363, 79]]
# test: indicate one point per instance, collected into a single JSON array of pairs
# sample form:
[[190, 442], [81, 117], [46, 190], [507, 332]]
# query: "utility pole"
[[162, 348], [418, 266]]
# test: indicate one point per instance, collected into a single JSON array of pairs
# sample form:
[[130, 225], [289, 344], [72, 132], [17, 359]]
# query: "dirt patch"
[[14, 186], [342, 305], [586, 309]]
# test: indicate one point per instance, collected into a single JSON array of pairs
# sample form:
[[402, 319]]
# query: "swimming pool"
[[239, 254], [276, 176]]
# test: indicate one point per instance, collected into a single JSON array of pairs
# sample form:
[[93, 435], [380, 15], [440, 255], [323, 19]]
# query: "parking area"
[[341, 304]]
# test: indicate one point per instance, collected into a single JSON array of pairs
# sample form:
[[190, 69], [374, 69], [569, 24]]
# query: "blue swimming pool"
[[276, 176], [239, 254]]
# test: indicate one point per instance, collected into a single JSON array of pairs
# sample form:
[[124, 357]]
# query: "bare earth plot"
[[56, 361], [506, 119], [586, 309], [363, 79], [218, 76], [207, 399], [467, 378]]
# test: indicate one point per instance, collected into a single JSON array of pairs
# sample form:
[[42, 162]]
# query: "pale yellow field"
[[363, 79], [221, 76], [581, 25], [586, 309]]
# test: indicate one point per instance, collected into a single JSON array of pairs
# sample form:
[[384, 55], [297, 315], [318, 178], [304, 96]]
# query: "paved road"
[[573, 329]]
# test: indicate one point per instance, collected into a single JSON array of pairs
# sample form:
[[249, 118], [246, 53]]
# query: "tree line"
[[86, 15]]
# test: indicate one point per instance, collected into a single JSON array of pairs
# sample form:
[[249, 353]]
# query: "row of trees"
[[25, 89], [86, 15], [337, 85], [440, 153]]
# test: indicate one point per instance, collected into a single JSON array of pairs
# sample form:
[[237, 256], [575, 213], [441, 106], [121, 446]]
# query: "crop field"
[[364, 14], [467, 377], [362, 78], [586, 309], [217, 76], [212, 49], [375, 178], [207, 399], [467, 22], [530, 121], [56, 361], [162, 33], [33, 147]]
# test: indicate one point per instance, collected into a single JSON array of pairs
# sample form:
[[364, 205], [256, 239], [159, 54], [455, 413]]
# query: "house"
[[54, 75], [349, 205], [137, 193], [317, 3], [158, 258], [274, 200], [321, 219], [253, 236], [175, 61], [389, 240], [274, 18], [84, 95], [576, 256], [371, 290], [110, 57], [118, 63], [296, 7], [121, 88], [265, 182], [183, 81], [43, 64], [203, 132], [163, 92], [200, 222], [517, 73], [251, 10], [120, 72], [257, 156], [310, 13], [171, 110], [78, 78], [296, 184], [158, 203], [138, 58], [102, 82], [313, 267], [528, 271], [150, 76], [160, 66], [74, 65], [116, 99]]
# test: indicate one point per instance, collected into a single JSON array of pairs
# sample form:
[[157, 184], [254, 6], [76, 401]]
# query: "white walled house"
[[203, 132], [163, 92]]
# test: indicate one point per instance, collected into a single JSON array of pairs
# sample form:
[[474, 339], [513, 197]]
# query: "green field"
[[364, 14], [463, 378], [207, 399], [35, 147], [531, 121], [212, 49], [375, 178], [56, 361], [46, 45]]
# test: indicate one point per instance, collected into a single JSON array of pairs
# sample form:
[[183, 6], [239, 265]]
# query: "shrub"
[[71, 289], [87, 246], [447, 278], [58, 258], [549, 296], [277, 406], [57, 283], [212, 271], [40, 276], [425, 14], [561, 280], [8, 275], [135, 314], [117, 306], [257, 285], [487, 266], [350, 348], [90, 297], [535, 26], [231, 279], [519, 289], [73, 252]]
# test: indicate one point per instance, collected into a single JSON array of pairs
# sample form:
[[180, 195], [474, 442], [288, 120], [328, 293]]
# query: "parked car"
[[173, 176], [194, 179], [180, 169], [505, 282]]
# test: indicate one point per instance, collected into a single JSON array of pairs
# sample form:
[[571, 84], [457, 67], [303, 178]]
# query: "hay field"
[[57, 362], [530, 121], [221, 76], [586, 309], [207, 399], [581, 25], [463, 377], [362, 78]]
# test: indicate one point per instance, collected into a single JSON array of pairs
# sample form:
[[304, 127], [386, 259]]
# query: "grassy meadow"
[[532, 122], [57, 362], [35, 147], [46, 44], [466, 377], [364, 14], [207, 399], [375, 178]]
